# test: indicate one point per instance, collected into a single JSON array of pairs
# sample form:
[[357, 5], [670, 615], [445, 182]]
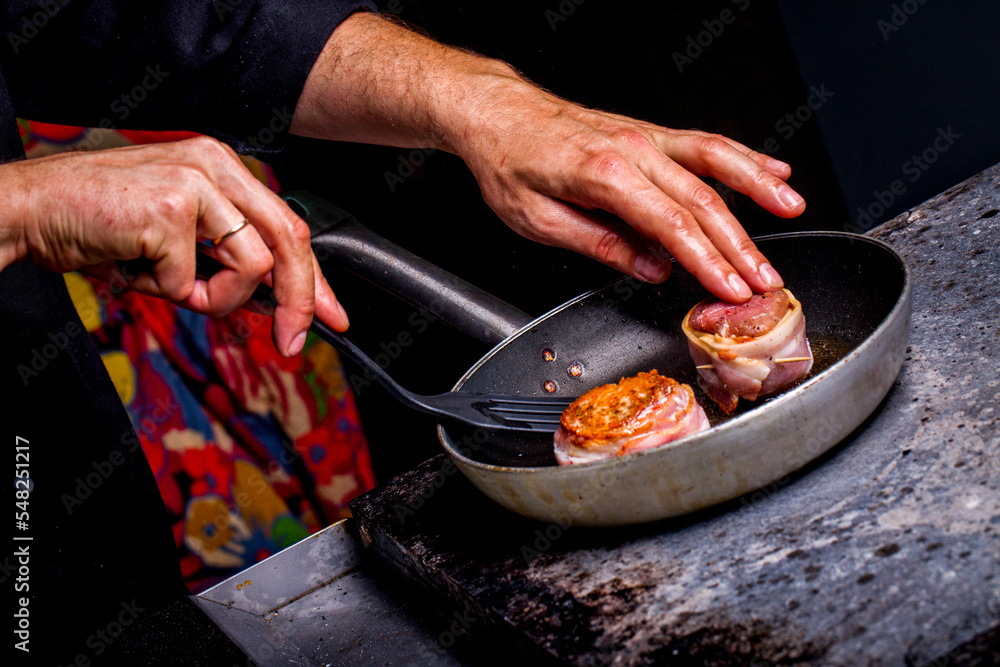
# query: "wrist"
[[465, 103], [499, 106], [13, 214]]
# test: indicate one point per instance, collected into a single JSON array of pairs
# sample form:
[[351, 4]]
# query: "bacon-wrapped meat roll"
[[638, 413], [750, 349]]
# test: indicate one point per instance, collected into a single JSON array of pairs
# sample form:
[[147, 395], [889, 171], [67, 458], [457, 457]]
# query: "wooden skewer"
[[786, 360]]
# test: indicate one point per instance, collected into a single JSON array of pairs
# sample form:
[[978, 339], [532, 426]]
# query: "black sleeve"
[[233, 69]]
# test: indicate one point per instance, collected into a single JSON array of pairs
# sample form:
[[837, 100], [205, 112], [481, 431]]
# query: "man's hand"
[[90, 210], [613, 188], [572, 177]]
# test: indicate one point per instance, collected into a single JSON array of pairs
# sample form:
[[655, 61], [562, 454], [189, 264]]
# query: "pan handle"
[[338, 237]]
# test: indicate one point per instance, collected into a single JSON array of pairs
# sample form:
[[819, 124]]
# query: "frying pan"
[[857, 299]]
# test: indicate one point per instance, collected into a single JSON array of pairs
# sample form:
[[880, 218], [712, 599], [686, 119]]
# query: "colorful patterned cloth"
[[251, 451]]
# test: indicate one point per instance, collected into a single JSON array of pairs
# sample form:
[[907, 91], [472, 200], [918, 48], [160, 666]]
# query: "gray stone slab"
[[886, 551]]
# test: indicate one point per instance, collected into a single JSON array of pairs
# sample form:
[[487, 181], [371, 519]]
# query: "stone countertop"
[[885, 551]]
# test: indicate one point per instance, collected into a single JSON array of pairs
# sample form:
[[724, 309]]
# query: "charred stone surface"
[[886, 551]]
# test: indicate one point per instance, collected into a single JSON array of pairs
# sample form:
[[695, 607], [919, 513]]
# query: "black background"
[[891, 91]]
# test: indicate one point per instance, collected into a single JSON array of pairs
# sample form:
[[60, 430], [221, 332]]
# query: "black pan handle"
[[339, 238]]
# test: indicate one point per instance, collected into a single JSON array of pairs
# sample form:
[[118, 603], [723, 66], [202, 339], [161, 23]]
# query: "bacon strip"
[[637, 413], [742, 366]]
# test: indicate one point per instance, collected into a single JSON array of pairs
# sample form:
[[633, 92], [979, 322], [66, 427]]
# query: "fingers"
[[274, 248], [245, 256], [717, 223], [298, 284], [166, 242], [608, 241], [619, 186], [648, 177], [328, 307], [782, 170], [149, 205], [293, 279], [737, 166]]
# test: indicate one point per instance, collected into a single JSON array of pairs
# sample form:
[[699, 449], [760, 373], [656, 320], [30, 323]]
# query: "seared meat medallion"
[[637, 413], [745, 350], [748, 350]]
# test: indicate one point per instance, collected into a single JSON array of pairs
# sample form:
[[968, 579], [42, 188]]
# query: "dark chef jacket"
[[101, 550]]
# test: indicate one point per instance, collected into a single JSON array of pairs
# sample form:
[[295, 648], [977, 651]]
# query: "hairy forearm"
[[378, 82]]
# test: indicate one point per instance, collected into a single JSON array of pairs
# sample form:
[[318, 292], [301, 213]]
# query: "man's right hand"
[[609, 187], [90, 210]]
